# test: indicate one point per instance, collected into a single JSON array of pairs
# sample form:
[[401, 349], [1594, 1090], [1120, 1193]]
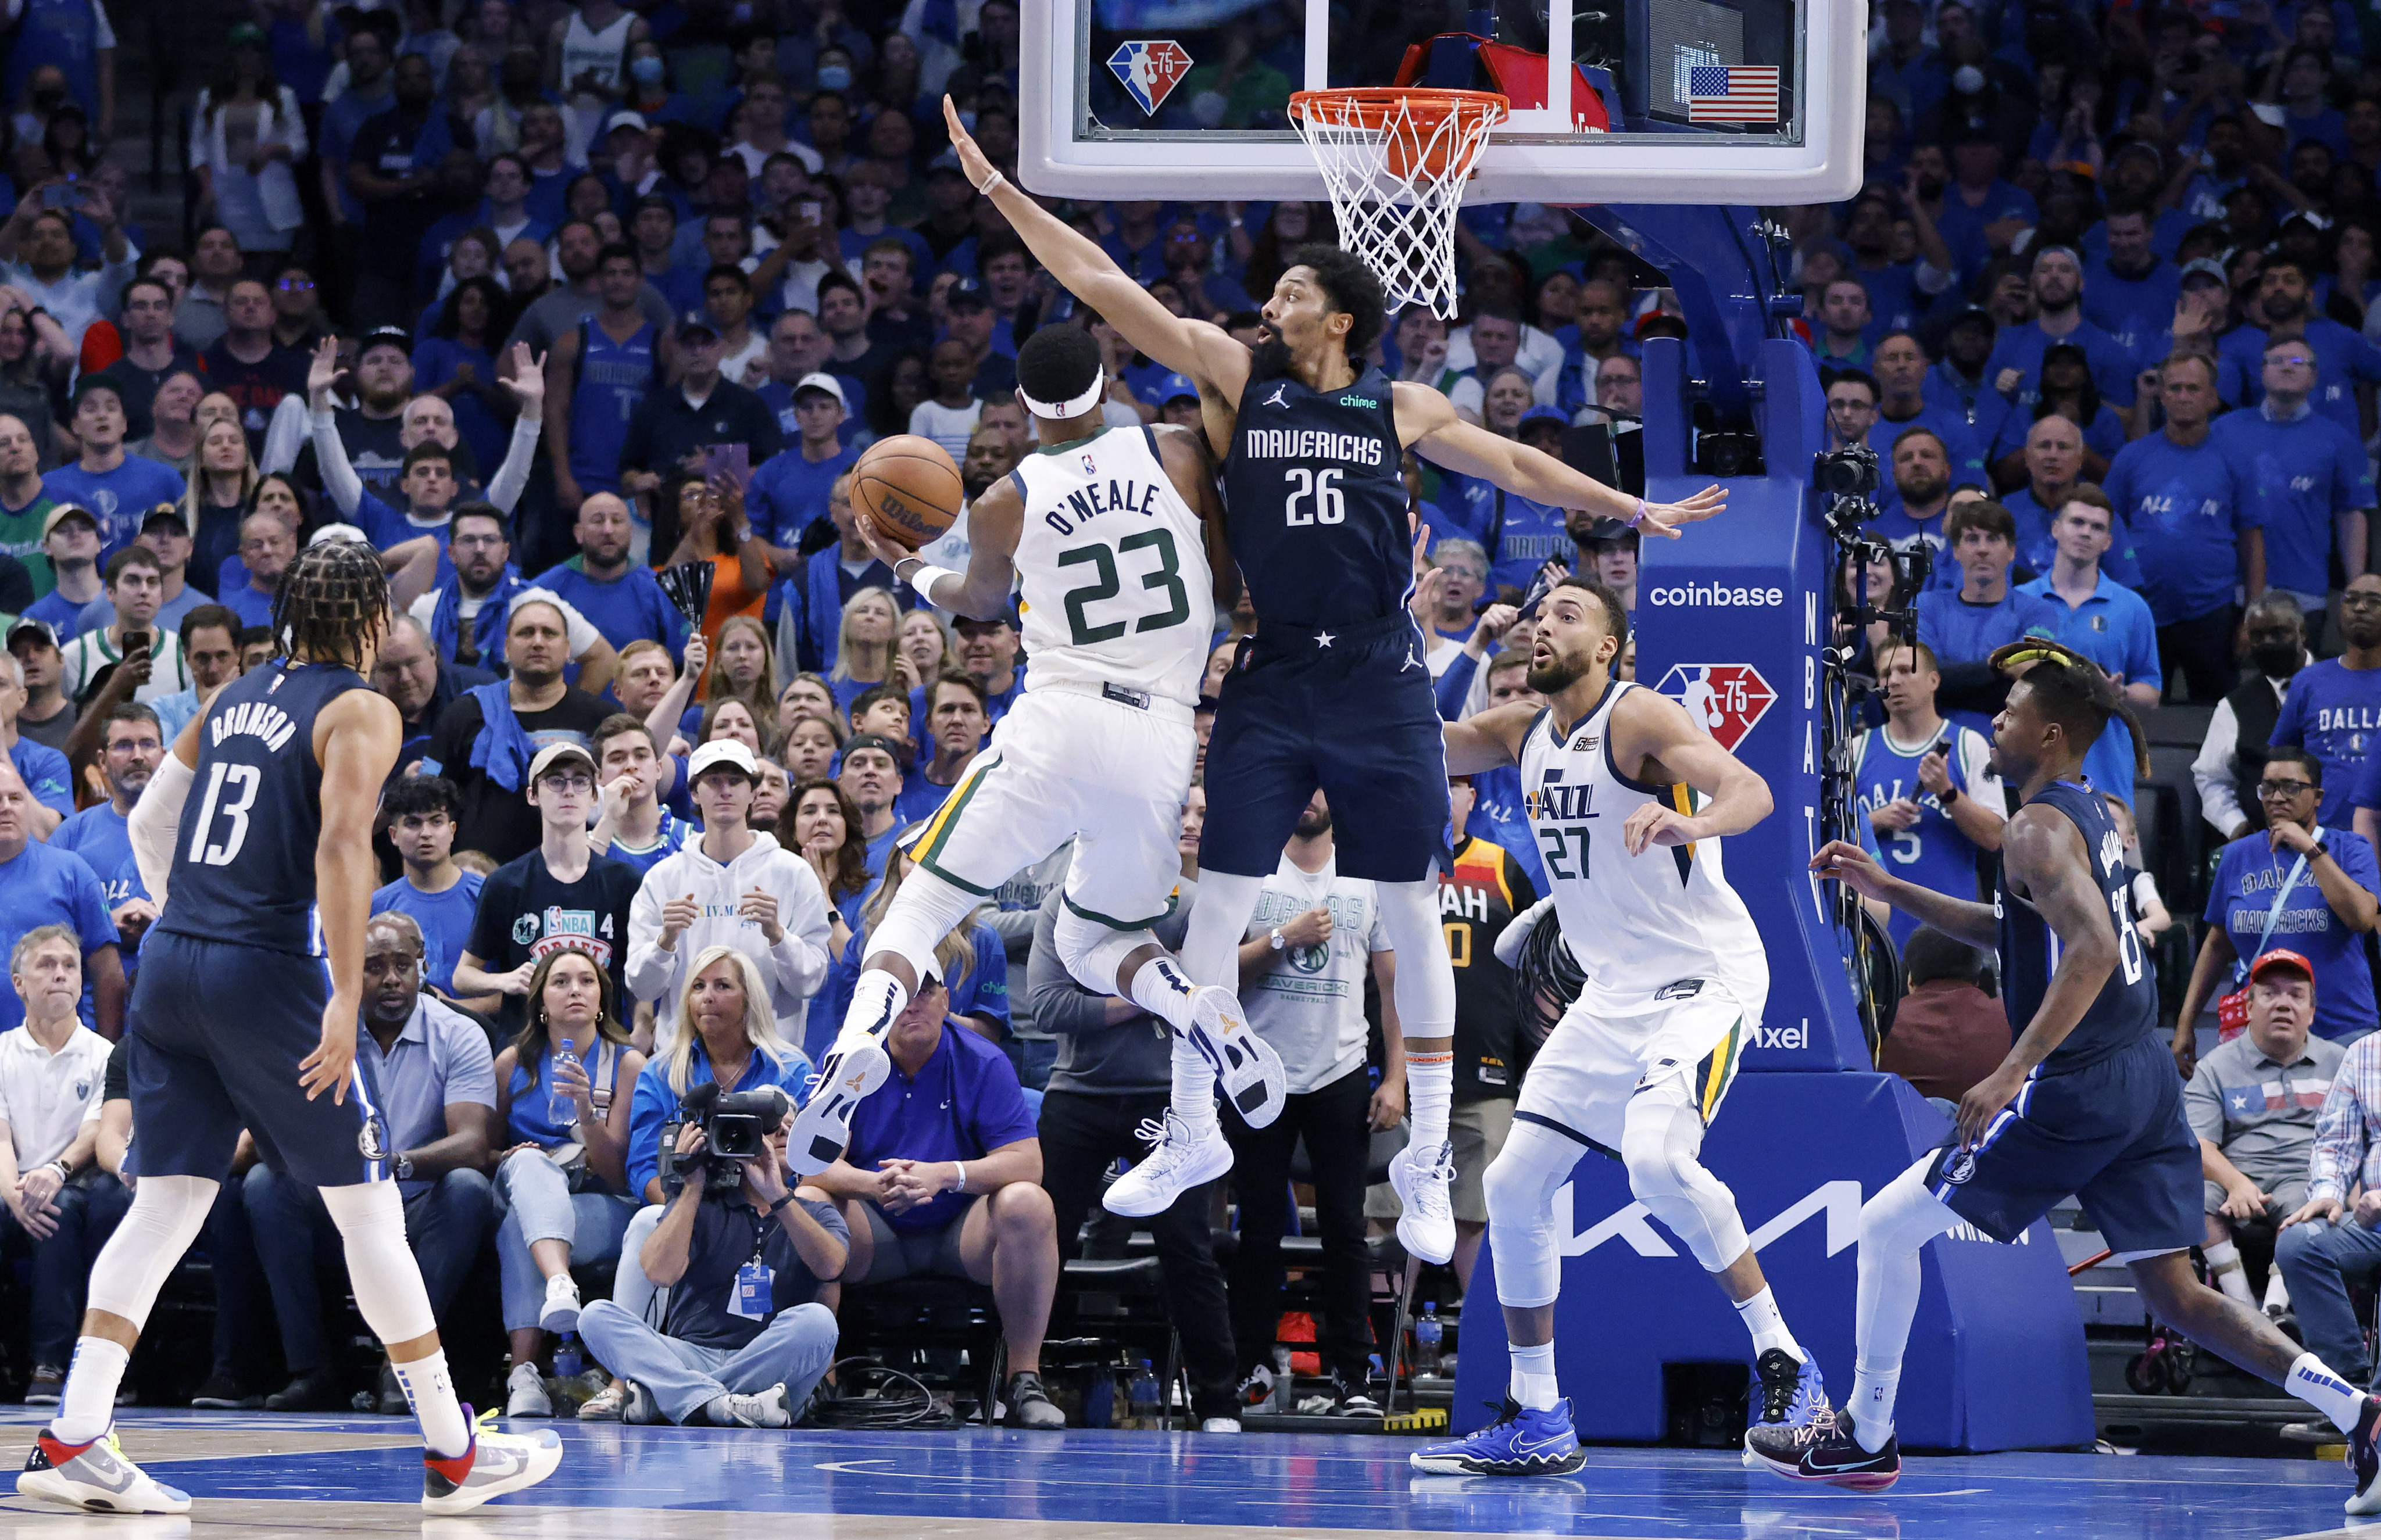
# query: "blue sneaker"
[[1518, 1443], [1793, 1395]]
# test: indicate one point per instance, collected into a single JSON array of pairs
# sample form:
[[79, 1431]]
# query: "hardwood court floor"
[[262, 1477]]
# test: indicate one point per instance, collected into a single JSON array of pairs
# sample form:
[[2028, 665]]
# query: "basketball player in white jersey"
[[1629, 798], [1110, 534], [583, 54]]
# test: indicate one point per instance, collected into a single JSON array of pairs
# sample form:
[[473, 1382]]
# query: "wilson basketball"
[[910, 486]]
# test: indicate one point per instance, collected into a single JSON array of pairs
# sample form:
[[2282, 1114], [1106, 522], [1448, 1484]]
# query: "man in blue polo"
[[2333, 710], [2104, 621], [1963, 626], [40, 886], [2192, 507], [2343, 358], [1918, 464], [620, 598], [2309, 475]]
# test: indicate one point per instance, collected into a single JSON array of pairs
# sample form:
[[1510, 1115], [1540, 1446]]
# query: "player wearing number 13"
[[246, 1016]]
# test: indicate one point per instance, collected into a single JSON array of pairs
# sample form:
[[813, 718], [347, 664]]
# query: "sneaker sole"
[[1416, 1244], [1247, 1069], [822, 1129], [1459, 1465], [1138, 1200], [1857, 1481], [50, 1486], [543, 1460], [559, 1320]]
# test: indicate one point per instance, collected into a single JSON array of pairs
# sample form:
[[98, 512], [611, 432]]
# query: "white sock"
[[430, 1390], [2224, 1268], [2277, 1293], [1430, 1093], [88, 1404], [2311, 1381], [1767, 1324], [1193, 1091], [1533, 1377], [1162, 989], [876, 997], [1871, 1405]]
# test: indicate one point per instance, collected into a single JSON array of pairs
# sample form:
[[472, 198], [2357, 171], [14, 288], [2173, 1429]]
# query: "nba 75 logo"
[[1724, 699], [1150, 70]]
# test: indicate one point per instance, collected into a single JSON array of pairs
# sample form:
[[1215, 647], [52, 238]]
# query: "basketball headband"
[[1058, 412]]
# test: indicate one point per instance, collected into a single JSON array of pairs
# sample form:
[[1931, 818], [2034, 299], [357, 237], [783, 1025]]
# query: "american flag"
[[1732, 93]]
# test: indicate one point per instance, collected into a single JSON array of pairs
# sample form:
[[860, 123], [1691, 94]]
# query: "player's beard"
[[1312, 824], [1559, 675], [1270, 360]]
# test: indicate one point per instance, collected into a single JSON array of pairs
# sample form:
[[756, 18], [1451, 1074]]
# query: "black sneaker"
[[314, 1391], [1826, 1452], [392, 1395], [223, 1393], [2364, 1458], [1356, 1402], [45, 1387], [1026, 1404]]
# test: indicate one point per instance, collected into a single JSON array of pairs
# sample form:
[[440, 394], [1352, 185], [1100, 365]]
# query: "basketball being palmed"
[[909, 486]]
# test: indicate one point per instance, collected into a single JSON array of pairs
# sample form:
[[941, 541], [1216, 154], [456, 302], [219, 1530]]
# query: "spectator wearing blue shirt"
[[1981, 214], [2130, 289], [2323, 914], [958, 720], [1962, 627], [733, 1042], [40, 886], [1958, 380], [2053, 460], [637, 827], [2066, 390], [2106, 622], [2015, 368], [1898, 293], [368, 93], [809, 621], [1900, 368], [2343, 359], [2333, 709], [2195, 519], [789, 489], [620, 598], [1920, 471], [2308, 473], [102, 834], [440, 896], [1925, 787], [942, 1178], [41, 771], [117, 489]]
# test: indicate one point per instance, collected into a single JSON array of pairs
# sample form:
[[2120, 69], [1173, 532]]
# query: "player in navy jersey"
[[1332, 691], [2087, 1101], [247, 1018]]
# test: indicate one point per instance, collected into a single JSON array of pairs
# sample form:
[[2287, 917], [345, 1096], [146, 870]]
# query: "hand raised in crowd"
[[697, 656], [1427, 588], [323, 374], [528, 384], [677, 915]]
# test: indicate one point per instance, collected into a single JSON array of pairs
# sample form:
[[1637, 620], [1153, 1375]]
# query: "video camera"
[[736, 1127]]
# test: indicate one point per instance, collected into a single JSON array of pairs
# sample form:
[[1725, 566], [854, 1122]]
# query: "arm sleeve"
[[286, 434], [156, 821], [1453, 686], [2219, 801], [521, 458], [339, 478]]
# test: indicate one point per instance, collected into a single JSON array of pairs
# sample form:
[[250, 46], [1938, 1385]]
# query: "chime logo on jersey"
[[1150, 70], [1724, 699]]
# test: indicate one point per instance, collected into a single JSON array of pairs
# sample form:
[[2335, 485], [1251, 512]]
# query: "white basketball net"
[[1396, 179]]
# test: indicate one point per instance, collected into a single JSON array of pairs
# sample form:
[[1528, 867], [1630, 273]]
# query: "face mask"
[[1967, 79], [834, 77], [647, 71], [2277, 659]]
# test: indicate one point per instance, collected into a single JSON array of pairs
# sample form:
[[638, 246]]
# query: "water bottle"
[[1146, 1411], [1285, 1395], [567, 1362], [561, 1107], [1430, 1335]]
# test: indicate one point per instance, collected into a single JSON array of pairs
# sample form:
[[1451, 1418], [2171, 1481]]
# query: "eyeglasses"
[[569, 784], [2301, 359], [296, 285], [2359, 602], [2283, 788], [478, 541]]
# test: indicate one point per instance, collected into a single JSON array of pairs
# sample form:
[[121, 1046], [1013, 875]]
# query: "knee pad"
[[1425, 982], [1093, 951], [167, 1214], [1519, 1186], [381, 1266], [1661, 1143], [924, 912], [1904, 1216]]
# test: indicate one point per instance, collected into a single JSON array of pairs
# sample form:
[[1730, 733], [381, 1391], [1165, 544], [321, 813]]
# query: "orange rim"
[[1374, 105]]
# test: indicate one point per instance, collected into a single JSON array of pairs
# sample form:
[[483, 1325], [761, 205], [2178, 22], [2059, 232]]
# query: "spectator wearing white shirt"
[[52, 1073], [37, 255], [136, 587], [2233, 753], [950, 416]]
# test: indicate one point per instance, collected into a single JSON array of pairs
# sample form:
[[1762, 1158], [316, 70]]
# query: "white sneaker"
[[561, 1311], [1248, 1071], [525, 1393], [852, 1070], [95, 1476], [494, 1464], [1182, 1161], [772, 1408], [1426, 1229], [1220, 1424]]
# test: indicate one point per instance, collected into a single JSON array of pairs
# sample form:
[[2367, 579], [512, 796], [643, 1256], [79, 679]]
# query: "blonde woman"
[[926, 643], [864, 653]]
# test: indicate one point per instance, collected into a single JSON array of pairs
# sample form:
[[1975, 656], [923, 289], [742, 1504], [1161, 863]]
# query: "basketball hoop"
[[1394, 161]]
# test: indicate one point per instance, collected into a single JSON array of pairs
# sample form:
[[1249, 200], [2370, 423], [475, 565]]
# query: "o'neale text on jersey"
[[257, 719], [1089, 503], [1311, 443]]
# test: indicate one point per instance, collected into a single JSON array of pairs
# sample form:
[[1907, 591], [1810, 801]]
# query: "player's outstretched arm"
[[356, 739], [1654, 734], [982, 591], [1841, 861], [1198, 349], [1487, 739], [2044, 854], [1428, 424]]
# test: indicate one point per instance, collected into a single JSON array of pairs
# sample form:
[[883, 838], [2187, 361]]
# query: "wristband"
[[1950, 795], [772, 1212], [923, 582], [1639, 517], [992, 183]]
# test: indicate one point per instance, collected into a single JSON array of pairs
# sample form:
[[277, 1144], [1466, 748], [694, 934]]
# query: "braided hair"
[[2074, 691], [334, 598]]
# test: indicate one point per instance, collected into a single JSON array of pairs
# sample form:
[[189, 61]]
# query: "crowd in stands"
[[581, 315]]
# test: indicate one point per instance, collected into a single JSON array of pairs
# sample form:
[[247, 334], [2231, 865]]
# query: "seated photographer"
[[947, 1128], [744, 1343], [563, 1177]]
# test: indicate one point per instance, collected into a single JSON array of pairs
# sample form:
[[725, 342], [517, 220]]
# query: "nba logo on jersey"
[[1091, 466], [1150, 70], [1725, 699]]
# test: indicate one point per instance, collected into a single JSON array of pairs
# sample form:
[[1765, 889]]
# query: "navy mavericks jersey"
[[1315, 504], [2127, 1010], [244, 861]]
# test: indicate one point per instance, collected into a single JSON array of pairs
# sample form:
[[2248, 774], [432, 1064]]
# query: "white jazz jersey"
[[1112, 565], [1636, 923]]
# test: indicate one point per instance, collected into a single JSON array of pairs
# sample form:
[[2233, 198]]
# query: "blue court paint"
[[1264, 1481]]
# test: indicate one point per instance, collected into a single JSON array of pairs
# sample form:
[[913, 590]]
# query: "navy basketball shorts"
[[1350, 709], [218, 1031], [2112, 1133]]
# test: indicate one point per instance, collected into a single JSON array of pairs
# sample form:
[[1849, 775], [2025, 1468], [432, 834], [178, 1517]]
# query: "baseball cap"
[[554, 754], [247, 34], [170, 512], [653, 201], [859, 741], [625, 119], [824, 384], [63, 512], [1544, 414], [697, 324], [2280, 957], [2204, 267], [968, 292], [27, 626], [719, 752], [91, 382], [390, 336], [1174, 387]]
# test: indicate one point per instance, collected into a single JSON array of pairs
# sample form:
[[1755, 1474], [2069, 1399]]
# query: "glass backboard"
[[1665, 102]]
